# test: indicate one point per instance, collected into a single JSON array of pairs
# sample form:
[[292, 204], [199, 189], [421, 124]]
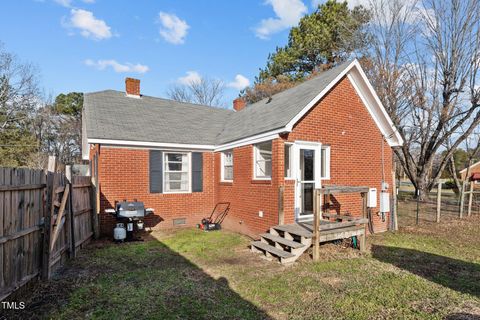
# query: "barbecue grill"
[[130, 213]]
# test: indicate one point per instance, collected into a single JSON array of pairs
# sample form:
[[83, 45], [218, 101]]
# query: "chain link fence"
[[412, 212]]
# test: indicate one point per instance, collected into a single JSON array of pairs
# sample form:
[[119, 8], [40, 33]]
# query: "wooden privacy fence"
[[44, 219]]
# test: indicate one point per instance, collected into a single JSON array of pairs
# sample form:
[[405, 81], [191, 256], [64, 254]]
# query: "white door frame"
[[297, 146]]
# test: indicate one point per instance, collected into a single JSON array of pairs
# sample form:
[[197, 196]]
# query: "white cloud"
[[68, 3], [65, 3], [116, 66], [174, 29], [240, 82], [191, 77], [288, 13], [89, 26]]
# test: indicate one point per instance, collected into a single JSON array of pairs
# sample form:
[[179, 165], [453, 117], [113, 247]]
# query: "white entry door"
[[307, 157]]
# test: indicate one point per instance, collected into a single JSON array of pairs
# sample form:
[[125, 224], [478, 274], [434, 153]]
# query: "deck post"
[[327, 202], [439, 201], [363, 239], [470, 199], [316, 225]]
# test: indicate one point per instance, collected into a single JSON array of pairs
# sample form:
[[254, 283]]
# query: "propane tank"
[[119, 232]]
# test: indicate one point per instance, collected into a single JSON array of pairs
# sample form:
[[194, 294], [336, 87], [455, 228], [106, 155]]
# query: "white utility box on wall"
[[384, 202], [372, 198]]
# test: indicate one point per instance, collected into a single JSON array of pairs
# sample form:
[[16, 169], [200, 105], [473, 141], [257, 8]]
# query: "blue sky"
[[92, 45]]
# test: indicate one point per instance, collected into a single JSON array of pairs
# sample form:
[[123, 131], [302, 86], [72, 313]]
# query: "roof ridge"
[[168, 100], [348, 62]]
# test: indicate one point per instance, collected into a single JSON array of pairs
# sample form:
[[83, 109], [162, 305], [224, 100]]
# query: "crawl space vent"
[[179, 221]]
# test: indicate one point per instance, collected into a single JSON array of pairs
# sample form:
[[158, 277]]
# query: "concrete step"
[[286, 242], [275, 251]]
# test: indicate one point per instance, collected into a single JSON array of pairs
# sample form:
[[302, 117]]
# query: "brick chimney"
[[239, 104], [132, 87]]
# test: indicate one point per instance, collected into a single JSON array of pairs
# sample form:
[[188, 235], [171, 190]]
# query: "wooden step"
[[286, 242], [295, 229], [266, 247]]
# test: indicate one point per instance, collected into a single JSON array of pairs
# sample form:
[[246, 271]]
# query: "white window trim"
[[255, 149], [290, 160], [328, 162], [189, 156], [222, 160]]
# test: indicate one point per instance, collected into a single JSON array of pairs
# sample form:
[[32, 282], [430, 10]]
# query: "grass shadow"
[[455, 274], [140, 280]]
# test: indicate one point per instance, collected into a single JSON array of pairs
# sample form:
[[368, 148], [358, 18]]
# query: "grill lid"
[[130, 206]]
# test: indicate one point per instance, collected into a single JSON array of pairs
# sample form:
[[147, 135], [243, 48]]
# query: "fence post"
[[47, 224], [470, 199], [94, 197], [316, 225], [439, 201], [281, 213], [68, 175], [394, 200], [418, 207], [462, 200]]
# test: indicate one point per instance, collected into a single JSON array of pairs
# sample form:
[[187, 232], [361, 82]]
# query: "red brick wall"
[[124, 174], [340, 120], [248, 196]]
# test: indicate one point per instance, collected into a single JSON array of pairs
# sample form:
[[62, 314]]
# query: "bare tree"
[[19, 96], [425, 65], [59, 133], [19, 91], [205, 91]]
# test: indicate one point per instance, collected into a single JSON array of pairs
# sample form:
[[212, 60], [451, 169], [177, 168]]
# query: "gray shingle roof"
[[264, 116], [112, 115]]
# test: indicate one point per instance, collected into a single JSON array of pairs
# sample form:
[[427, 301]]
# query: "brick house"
[[181, 159], [473, 172]]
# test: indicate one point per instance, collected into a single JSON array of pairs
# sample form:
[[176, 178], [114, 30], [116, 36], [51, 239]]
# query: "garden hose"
[[370, 222]]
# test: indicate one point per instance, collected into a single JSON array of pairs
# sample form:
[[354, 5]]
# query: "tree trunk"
[[421, 187], [453, 173]]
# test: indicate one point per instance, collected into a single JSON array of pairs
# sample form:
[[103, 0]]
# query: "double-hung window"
[[263, 160], [177, 172], [227, 165]]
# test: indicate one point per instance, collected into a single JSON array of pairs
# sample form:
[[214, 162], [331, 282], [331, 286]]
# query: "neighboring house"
[[181, 159], [474, 170]]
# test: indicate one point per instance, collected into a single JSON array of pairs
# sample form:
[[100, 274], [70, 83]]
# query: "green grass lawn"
[[430, 272]]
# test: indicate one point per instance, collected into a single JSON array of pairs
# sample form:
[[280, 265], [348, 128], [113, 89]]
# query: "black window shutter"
[[197, 172], [156, 171]]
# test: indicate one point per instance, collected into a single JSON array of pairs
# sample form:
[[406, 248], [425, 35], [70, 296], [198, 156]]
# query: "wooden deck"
[[288, 241]]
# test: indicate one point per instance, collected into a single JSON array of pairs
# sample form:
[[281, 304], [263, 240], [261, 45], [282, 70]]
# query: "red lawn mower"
[[220, 211]]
